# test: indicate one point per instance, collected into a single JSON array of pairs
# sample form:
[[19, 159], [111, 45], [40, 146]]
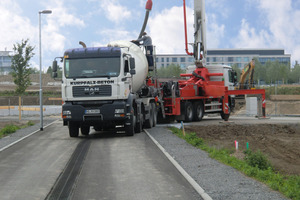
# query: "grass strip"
[[287, 185], [10, 128]]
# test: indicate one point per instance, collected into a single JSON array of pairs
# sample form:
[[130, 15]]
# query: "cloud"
[[281, 28], [167, 30], [53, 37], [14, 27], [110, 35], [114, 11], [214, 32], [249, 37]]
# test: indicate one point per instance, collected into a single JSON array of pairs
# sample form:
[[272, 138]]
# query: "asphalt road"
[[51, 165]]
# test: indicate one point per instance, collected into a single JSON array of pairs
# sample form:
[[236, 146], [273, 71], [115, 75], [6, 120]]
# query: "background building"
[[241, 57], [5, 62], [183, 60]]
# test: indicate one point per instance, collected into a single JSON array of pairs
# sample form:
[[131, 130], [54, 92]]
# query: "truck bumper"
[[97, 113]]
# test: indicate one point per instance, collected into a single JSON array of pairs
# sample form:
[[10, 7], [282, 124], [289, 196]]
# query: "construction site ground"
[[277, 137]]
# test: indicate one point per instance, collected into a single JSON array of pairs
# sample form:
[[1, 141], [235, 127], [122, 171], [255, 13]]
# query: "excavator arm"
[[245, 83]]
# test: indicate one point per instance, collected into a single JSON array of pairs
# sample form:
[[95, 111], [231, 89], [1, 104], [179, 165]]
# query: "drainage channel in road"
[[66, 181]]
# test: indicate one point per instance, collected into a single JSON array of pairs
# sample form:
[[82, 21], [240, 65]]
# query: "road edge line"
[[23, 138], [195, 185]]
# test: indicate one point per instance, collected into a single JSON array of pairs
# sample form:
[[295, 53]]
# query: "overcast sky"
[[230, 24]]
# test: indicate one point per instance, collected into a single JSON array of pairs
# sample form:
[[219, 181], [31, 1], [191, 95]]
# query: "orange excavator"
[[245, 83]]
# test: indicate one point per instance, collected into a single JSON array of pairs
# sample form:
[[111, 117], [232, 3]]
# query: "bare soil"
[[280, 143]]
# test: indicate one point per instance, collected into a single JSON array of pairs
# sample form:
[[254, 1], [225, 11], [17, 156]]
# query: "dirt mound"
[[281, 143]]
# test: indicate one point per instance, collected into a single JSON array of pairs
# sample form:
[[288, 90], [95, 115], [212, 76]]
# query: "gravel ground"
[[25, 131], [218, 180]]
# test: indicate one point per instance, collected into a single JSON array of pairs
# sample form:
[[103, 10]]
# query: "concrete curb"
[[195, 185], [19, 140]]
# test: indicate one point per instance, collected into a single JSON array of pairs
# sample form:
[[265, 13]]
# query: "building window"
[[162, 65], [219, 59], [182, 59], [174, 59], [191, 59], [246, 59], [230, 59], [168, 60], [214, 59], [156, 59], [162, 59], [207, 59], [238, 59]]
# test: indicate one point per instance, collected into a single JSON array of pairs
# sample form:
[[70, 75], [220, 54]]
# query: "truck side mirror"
[[54, 66], [132, 72], [132, 63], [54, 69], [54, 74]]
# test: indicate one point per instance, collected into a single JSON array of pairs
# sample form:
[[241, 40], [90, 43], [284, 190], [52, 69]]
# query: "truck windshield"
[[92, 67]]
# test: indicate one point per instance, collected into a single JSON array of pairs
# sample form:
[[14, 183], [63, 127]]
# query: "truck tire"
[[149, 122], [85, 130], [198, 110], [139, 125], [73, 129], [188, 114], [154, 114], [225, 117], [129, 129]]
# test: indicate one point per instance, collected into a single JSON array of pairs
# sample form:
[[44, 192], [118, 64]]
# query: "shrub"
[[8, 129], [257, 159]]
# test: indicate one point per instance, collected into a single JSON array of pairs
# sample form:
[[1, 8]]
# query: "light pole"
[[40, 50]]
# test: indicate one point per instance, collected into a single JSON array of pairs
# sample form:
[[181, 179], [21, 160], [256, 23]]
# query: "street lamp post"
[[40, 51]]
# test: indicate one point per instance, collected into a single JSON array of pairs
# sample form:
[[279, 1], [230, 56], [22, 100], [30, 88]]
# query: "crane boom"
[[199, 51], [200, 30]]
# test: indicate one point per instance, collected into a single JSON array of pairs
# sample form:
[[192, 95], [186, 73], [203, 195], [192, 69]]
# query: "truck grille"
[[92, 91]]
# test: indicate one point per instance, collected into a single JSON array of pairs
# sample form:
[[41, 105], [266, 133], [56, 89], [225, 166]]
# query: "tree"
[[294, 75], [170, 71], [20, 65], [259, 71]]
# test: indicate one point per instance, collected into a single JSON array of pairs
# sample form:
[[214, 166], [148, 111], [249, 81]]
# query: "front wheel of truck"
[[73, 129], [85, 130], [129, 129]]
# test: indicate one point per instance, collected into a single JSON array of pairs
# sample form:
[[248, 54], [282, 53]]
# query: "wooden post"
[[20, 108]]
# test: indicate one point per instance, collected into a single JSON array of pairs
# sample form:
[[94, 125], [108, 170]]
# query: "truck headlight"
[[67, 112], [119, 110]]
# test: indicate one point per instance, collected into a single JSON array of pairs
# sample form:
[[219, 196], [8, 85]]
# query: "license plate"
[[92, 111]]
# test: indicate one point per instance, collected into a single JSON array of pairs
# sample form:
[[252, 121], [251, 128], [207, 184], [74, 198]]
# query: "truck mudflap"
[[94, 113]]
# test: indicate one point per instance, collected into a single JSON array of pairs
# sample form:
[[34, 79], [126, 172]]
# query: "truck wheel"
[[85, 130], [73, 129], [225, 116], [130, 129], [189, 114], [98, 128], [154, 114], [139, 125], [198, 111], [149, 122]]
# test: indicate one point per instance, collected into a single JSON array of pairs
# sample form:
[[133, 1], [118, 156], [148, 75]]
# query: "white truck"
[[105, 88], [229, 75]]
